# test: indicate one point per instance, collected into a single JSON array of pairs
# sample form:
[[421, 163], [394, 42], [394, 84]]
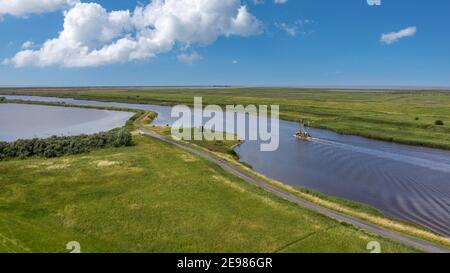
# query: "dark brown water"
[[405, 182]]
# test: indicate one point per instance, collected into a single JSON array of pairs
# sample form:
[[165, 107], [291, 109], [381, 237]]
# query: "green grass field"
[[154, 197], [401, 116]]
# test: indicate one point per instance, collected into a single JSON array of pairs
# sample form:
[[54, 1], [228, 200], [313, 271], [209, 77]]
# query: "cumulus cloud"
[[392, 37], [92, 36], [189, 58], [26, 7]]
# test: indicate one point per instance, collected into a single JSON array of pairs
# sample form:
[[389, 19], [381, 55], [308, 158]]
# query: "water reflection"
[[28, 121]]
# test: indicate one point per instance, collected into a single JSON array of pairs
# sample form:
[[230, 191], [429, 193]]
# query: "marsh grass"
[[383, 115]]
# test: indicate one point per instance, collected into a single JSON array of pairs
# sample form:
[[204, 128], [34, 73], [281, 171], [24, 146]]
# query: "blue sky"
[[300, 43]]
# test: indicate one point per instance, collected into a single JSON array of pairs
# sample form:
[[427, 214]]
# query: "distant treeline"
[[64, 145], [68, 145]]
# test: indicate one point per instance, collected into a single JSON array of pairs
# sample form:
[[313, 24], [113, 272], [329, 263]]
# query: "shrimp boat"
[[303, 134]]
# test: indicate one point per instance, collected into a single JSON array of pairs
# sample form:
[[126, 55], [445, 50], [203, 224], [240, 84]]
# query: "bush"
[[439, 122], [65, 145], [233, 153], [123, 138], [2, 98]]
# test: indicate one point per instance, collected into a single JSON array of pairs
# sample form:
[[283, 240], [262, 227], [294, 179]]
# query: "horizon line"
[[219, 86]]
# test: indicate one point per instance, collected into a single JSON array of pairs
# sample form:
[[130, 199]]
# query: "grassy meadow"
[[155, 197], [399, 116]]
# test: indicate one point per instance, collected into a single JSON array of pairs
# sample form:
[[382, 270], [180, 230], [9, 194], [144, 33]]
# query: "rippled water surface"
[[405, 182]]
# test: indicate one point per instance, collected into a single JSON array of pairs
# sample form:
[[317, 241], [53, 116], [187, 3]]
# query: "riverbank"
[[395, 116], [154, 197], [391, 223], [354, 209]]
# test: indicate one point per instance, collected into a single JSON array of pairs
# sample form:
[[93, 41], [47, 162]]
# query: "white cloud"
[[292, 29], [27, 45], [26, 7], [189, 58], [393, 37], [235, 62], [374, 2], [258, 2], [92, 36]]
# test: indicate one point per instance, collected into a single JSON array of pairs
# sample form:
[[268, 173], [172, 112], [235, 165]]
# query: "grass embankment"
[[407, 117], [225, 149], [348, 207], [224, 146], [154, 197], [345, 206]]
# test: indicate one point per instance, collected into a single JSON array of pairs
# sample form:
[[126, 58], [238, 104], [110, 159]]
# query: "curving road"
[[370, 227]]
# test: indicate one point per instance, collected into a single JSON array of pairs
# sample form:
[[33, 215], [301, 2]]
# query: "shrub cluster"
[[64, 145], [439, 122]]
